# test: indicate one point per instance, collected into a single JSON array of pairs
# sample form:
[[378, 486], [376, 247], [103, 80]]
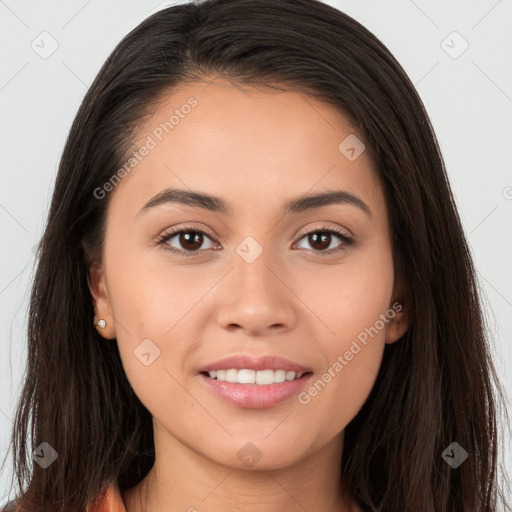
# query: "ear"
[[398, 315], [101, 301]]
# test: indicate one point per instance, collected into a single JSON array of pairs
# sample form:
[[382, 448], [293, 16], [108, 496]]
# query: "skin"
[[256, 149]]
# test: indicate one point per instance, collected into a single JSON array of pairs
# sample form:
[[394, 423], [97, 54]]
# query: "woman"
[[254, 291]]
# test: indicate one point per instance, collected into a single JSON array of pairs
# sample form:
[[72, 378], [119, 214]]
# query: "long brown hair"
[[435, 387]]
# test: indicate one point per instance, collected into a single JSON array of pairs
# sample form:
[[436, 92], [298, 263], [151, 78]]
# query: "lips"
[[255, 382]]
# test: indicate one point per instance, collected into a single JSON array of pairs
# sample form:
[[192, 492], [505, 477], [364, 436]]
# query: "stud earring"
[[101, 324]]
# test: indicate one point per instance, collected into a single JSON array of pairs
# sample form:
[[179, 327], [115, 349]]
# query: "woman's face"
[[268, 280]]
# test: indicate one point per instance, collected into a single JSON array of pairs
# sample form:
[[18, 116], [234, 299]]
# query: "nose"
[[257, 299]]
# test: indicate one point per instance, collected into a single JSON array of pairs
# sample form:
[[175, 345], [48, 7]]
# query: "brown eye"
[[320, 240], [324, 241], [191, 240], [187, 242]]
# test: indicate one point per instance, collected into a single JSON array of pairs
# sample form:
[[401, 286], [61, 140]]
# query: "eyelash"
[[347, 241]]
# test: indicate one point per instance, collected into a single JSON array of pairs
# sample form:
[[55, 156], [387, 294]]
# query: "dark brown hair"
[[437, 385]]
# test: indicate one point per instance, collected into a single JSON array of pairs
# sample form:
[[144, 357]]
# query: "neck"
[[183, 480]]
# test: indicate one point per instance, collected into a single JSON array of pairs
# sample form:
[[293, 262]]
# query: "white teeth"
[[246, 376], [265, 377], [231, 376], [261, 377], [279, 376]]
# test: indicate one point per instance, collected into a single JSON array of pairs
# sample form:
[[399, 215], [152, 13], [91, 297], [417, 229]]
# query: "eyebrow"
[[216, 204]]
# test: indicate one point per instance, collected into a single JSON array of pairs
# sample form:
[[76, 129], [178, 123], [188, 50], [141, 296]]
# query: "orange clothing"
[[113, 501]]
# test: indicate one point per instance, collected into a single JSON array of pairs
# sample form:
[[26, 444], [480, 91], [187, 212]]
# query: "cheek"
[[150, 293], [353, 357], [342, 388], [348, 298], [355, 306], [152, 304]]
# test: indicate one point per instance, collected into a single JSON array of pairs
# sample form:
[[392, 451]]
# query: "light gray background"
[[469, 99]]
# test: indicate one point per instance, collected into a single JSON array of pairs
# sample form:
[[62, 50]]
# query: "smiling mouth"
[[257, 377]]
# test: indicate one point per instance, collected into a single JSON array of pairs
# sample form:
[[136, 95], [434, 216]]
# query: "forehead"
[[250, 145]]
